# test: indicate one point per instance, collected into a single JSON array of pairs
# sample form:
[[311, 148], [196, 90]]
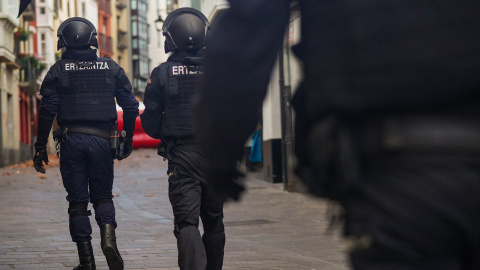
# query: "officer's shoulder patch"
[[149, 81]]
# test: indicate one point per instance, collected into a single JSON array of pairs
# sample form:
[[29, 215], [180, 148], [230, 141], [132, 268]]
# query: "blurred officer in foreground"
[[80, 90], [168, 116], [387, 118]]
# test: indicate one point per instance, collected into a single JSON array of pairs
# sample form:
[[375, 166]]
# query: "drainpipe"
[[287, 127], [1, 134]]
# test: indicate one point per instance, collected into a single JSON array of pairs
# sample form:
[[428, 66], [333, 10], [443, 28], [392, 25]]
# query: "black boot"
[[109, 247], [214, 247], [85, 254]]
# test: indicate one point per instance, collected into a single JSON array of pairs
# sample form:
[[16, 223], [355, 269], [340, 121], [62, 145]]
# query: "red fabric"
[[140, 138]]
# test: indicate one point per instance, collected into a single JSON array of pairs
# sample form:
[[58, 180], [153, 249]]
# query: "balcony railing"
[[105, 6], [28, 77], [122, 39], [105, 43], [121, 4], [29, 13]]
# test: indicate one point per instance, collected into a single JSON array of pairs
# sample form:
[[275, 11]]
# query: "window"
[[134, 43], [144, 71], [134, 29], [196, 4], [172, 5], [42, 10], [104, 26], [84, 12], [43, 45], [142, 8], [133, 4], [143, 45], [135, 68], [145, 29]]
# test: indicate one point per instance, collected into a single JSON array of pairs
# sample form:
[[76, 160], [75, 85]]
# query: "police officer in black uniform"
[[80, 89], [168, 115], [386, 118]]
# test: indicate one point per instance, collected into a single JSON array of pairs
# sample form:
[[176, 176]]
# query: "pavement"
[[268, 229]]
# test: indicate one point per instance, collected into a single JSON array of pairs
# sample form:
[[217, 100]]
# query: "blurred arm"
[[152, 115], [241, 53], [48, 108]]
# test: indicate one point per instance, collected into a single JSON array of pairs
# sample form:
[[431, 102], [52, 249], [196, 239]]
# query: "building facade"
[[32, 68], [9, 95], [20, 70], [27, 51], [120, 33], [104, 28], [139, 45], [156, 50]]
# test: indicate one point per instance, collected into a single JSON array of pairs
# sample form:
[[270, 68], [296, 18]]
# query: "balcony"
[[104, 5], [122, 39], [121, 4], [105, 44], [29, 13], [29, 72], [8, 57]]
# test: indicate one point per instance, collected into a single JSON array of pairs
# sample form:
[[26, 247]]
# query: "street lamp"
[[159, 23]]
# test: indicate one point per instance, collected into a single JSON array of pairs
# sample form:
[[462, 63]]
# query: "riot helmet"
[[185, 29], [77, 33]]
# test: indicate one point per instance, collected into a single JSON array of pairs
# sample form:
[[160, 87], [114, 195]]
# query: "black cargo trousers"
[[191, 198], [416, 214], [414, 203], [417, 203]]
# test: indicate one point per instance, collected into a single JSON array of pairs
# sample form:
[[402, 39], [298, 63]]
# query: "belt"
[[179, 140], [88, 130], [423, 134]]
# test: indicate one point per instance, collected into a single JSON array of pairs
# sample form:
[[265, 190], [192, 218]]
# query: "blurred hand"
[[226, 183], [40, 157]]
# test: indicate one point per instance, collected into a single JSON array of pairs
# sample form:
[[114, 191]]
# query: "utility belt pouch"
[[121, 144], [60, 135], [331, 166], [57, 134], [114, 140]]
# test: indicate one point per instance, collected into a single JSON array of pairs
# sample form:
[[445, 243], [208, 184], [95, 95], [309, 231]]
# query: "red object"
[[140, 138]]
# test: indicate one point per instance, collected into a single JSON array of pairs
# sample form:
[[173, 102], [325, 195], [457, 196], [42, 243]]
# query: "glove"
[[40, 156], [127, 149], [227, 183]]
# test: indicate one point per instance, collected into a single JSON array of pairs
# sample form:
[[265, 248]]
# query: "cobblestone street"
[[269, 229]]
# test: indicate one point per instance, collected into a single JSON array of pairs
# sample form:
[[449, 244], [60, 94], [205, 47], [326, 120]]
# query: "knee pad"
[[76, 209], [101, 201], [183, 222], [213, 226]]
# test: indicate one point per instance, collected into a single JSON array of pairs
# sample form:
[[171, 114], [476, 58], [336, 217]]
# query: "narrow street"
[[269, 229]]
